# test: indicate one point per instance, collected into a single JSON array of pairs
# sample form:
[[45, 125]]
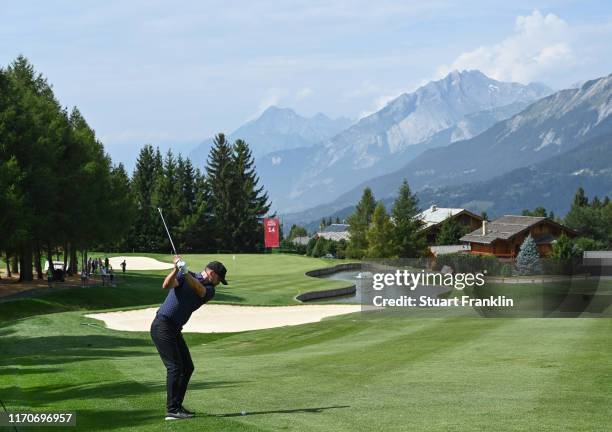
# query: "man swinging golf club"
[[188, 291]]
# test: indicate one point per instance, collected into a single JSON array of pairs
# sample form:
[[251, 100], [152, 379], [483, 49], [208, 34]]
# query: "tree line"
[[60, 191], [376, 233], [58, 188], [219, 210]]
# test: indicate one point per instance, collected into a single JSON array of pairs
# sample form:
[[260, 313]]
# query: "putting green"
[[389, 370]]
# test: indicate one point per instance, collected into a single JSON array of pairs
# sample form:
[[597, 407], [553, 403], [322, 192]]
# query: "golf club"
[[181, 263]]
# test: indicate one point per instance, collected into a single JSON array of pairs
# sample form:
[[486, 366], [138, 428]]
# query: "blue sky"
[[174, 73]]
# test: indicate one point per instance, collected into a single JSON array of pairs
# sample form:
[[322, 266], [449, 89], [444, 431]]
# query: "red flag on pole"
[[271, 232]]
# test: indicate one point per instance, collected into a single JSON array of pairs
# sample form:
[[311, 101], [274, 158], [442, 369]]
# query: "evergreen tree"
[[57, 184], [250, 201], [450, 232], [359, 222], [319, 248], [144, 235], [380, 234], [296, 231], [167, 196], [220, 175], [580, 199], [528, 258], [36, 124], [310, 245], [586, 219], [539, 212], [564, 248], [408, 235]]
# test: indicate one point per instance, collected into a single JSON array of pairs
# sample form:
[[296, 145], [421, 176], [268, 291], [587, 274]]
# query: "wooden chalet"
[[434, 216], [503, 237]]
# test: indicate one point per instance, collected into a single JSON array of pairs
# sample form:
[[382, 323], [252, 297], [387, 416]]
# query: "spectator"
[[103, 275], [123, 266]]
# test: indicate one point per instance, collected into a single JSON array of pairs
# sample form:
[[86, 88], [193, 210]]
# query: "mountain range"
[[501, 169], [459, 106], [278, 129]]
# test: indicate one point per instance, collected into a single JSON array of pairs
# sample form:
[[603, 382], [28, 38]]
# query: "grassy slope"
[[360, 372], [254, 279]]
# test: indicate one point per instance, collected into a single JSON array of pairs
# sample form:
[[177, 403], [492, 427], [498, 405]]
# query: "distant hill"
[[551, 184]]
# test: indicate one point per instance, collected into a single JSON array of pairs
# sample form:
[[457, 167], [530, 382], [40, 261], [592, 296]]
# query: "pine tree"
[[538, 211], [220, 176], [586, 219], [296, 231], [359, 222], [166, 195], [580, 199], [380, 234], [450, 232], [408, 235], [144, 180], [528, 258], [250, 200]]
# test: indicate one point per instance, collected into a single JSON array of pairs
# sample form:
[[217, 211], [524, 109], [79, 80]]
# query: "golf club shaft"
[[166, 226]]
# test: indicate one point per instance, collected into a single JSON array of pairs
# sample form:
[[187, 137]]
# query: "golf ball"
[[243, 413]]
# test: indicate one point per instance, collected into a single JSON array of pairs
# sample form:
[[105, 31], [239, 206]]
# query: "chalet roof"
[[335, 228], [507, 227], [434, 214], [343, 235]]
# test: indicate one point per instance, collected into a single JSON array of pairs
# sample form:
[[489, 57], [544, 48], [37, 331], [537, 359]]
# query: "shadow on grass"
[[44, 394], [58, 350], [133, 291], [26, 371], [282, 411]]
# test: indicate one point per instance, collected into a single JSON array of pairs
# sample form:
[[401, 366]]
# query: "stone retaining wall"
[[336, 292]]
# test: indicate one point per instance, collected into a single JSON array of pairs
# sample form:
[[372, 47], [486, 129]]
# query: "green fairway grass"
[[390, 370], [253, 279]]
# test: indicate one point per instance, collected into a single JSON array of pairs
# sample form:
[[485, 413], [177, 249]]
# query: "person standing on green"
[[106, 263]]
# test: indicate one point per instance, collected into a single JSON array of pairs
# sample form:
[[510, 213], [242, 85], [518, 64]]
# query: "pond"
[[364, 290]]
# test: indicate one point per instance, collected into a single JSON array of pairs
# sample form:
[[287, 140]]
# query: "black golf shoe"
[[178, 415]]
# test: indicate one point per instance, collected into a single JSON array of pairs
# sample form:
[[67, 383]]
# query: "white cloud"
[[276, 160], [272, 98], [303, 93], [539, 45]]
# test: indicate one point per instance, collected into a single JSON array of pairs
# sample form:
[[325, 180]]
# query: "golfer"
[[188, 291]]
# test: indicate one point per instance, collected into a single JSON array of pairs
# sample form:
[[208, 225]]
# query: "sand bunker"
[[216, 318], [138, 263]]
